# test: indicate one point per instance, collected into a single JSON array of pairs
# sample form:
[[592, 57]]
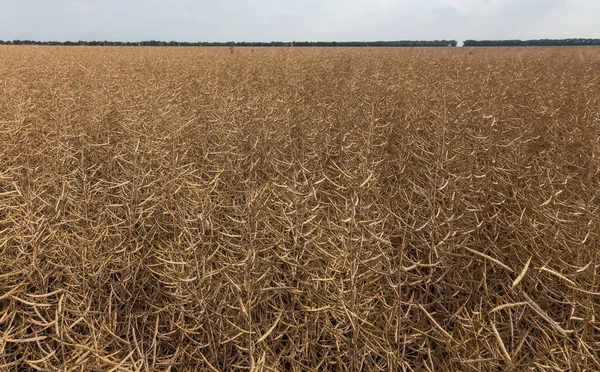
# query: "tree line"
[[397, 43], [537, 42]]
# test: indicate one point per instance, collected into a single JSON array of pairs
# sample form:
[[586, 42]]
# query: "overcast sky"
[[299, 20]]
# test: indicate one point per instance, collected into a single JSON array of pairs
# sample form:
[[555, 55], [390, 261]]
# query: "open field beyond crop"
[[281, 209]]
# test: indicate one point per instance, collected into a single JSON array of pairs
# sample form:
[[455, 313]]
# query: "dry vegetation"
[[298, 209]]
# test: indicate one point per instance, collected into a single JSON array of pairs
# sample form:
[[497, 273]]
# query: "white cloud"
[[191, 16], [475, 5], [83, 7]]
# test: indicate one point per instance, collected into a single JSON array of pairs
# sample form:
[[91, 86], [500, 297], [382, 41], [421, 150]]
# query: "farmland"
[[299, 209]]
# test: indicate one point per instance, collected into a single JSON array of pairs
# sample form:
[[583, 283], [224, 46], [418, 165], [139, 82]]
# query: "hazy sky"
[[300, 20]]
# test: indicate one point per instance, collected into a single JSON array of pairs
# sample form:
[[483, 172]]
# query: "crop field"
[[299, 209]]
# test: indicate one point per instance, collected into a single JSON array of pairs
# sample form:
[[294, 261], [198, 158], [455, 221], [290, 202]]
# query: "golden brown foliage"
[[285, 209]]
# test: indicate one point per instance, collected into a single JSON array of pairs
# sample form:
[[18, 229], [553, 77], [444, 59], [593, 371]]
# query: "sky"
[[297, 20]]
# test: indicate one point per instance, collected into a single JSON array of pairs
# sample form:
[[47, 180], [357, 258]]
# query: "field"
[[289, 209]]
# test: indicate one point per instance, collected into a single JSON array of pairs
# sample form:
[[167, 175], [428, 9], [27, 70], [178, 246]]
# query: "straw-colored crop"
[[299, 209]]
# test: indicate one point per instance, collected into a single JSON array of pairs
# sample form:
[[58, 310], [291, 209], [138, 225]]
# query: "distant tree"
[[173, 43], [538, 42]]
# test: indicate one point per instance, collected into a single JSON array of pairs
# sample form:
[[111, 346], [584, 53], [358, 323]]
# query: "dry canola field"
[[289, 209]]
